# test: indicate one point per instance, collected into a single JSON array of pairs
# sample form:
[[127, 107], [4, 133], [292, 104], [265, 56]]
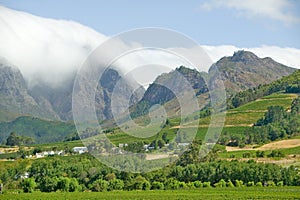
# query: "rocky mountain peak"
[[244, 56]]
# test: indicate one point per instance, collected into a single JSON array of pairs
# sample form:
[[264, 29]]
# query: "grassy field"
[[204, 193], [202, 131], [279, 96], [249, 113], [263, 104], [237, 120], [242, 118]]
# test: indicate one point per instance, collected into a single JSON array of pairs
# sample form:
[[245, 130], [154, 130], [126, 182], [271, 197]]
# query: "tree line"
[[289, 84], [277, 123], [85, 173]]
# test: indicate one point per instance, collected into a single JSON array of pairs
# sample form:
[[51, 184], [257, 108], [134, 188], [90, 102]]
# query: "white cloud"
[[43, 48], [280, 10], [287, 56], [49, 50]]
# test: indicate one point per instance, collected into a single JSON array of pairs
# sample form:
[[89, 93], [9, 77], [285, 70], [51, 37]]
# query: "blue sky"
[[233, 22]]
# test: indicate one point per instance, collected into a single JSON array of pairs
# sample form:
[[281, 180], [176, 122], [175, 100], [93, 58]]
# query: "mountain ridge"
[[245, 70]]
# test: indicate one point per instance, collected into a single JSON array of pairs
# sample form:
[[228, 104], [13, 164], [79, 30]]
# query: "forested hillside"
[[289, 84]]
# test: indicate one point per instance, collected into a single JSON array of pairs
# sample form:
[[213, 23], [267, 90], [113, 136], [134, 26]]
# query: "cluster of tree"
[[72, 137], [290, 84], [293, 88], [83, 172], [276, 124], [262, 154], [17, 140]]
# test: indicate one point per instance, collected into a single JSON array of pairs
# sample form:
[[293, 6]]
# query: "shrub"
[[250, 184], [271, 184], [115, 184], [172, 184], [146, 185], [206, 184], [229, 184], [182, 185], [140, 183], [28, 185], [259, 184], [198, 184], [238, 183], [63, 184], [280, 184], [190, 185], [99, 185], [260, 154], [221, 183], [157, 185], [48, 184], [74, 185]]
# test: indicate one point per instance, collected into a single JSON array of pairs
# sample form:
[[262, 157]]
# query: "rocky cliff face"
[[241, 71], [167, 87], [46, 102], [111, 82], [245, 70], [14, 94]]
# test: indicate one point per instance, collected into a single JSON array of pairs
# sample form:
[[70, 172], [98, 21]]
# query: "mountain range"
[[239, 72], [54, 103]]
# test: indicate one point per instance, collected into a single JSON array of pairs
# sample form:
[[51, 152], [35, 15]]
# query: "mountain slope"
[[55, 103], [245, 70], [290, 84], [42, 131], [239, 72], [168, 86], [14, 95]]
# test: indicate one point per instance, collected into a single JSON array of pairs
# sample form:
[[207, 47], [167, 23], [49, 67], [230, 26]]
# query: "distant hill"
[[245, 70], [289, 84], [169, 85], [42, 131], [239, 72]]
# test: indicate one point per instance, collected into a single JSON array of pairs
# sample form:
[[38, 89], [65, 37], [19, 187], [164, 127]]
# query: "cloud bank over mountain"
[[44, 48], [49, 50]]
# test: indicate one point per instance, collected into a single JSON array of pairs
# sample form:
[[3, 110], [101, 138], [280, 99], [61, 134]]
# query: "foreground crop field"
[[204, 193]]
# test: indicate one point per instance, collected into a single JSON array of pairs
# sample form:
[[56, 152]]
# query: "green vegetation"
[[274, 117], [6, 116], [242, 118], [85, 173], [42, 131], [260, 154], [205, 193], [16, 140], [289, 84], [262, 105], [249, 113], [279, 96], [275, 124]]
